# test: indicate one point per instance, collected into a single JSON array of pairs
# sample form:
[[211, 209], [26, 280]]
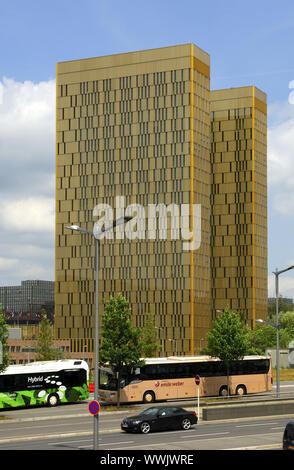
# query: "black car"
[[288, 437], [157, 418]]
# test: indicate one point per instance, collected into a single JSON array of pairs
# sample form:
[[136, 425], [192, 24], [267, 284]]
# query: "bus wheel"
[[148, 397], [241, 390], [52, 400], [223, 391]]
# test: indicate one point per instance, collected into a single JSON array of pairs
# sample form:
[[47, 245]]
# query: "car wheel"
[[186, 424], [145, 427], [53, 400]]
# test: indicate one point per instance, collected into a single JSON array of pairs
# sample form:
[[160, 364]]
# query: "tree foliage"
[[228, 339], [148, 338], [265, 336], [3, 340], [44, 349], [120, 345]]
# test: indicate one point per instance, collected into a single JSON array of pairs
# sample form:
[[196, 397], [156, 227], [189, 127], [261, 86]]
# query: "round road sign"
[[94, 407], [197, 380]]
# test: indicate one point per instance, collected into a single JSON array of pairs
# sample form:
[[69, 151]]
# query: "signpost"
[[197, 382], [94, 407]]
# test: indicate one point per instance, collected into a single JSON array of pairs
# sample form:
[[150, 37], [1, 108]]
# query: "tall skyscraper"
[[134, 133], [239, 201]]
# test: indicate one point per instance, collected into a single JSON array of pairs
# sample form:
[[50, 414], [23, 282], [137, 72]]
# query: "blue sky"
[[250, 43]]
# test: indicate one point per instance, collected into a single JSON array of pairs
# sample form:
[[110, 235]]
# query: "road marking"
[[258, 424], [87, 440], [68, 442], [210, 434], [33, 428]]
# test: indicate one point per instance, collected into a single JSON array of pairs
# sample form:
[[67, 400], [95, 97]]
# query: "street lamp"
[[277, 273], [97, 235], [277, 325]]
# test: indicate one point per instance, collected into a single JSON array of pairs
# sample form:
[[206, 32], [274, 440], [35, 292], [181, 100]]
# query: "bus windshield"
[[108, 381]]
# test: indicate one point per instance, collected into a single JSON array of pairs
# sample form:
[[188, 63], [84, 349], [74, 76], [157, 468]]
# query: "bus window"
[[74, 378]]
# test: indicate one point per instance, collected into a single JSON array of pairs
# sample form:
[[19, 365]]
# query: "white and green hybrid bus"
[[48, 382]]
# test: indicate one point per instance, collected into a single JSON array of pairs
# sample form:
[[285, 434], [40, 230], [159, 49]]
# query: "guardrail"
[[247, 410]]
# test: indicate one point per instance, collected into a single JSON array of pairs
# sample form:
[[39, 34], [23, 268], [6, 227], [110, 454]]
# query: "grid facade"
[[29, 297], [239, 201], [144, 126], [134, 125]]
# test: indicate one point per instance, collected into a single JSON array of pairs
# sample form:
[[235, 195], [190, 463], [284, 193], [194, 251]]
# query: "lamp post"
[[277, 325], [97, 234], [277, 273]]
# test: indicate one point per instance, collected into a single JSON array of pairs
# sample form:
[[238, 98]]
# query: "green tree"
[[228, 340], [286, 320], [44, 349], [262, 337], [3, 340], [284, 306], [148, 338], [120, 342]]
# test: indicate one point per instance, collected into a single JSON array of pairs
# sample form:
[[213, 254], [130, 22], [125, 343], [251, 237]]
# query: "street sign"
[[197, 382], [94, 407]]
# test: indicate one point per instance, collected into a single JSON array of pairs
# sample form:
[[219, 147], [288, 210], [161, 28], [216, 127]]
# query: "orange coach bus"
[[174, 377]]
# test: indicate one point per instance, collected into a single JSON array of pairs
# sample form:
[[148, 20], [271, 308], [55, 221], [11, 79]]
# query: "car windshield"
[[149, 411]]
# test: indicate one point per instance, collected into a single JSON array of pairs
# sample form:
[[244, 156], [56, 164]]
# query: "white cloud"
[[7, 263], [27, 137], [281, 158], [28, 215], [286, 286], [27, 180]]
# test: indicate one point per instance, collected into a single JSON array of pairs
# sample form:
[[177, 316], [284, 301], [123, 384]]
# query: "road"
[[70, 427]]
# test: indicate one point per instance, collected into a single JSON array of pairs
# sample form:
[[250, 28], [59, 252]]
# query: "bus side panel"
[[72, 394], [21, 399], [39, 397], [256, 383]]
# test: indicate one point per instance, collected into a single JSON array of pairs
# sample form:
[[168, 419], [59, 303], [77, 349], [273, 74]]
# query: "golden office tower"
[[140, 126], [135, 125], [239, 201]]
